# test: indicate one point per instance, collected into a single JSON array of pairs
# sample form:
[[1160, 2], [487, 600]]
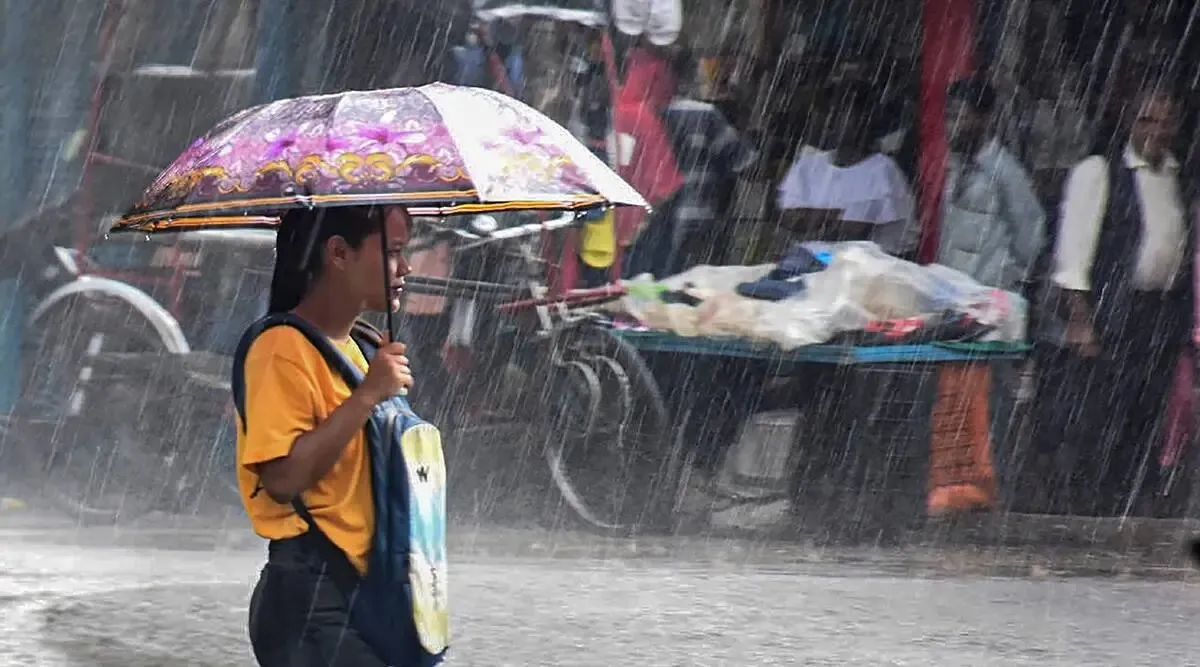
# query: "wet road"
[[69, 599]]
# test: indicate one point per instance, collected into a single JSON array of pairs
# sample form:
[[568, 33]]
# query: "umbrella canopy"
[[437, 150], [588, 12]]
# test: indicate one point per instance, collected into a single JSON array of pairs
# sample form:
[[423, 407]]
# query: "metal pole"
[[276, 66], [947, 52], [14, 110], [64, 111]]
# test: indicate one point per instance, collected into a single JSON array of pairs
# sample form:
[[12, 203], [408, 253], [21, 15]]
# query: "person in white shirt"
[[992, 225], [992, 228], [658, 22], [852, 192], [1122, 264]]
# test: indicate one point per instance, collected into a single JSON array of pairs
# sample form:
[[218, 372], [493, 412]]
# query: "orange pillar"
[[947, 54]]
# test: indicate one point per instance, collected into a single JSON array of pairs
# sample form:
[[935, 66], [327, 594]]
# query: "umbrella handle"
[[387, 285], [387, 278]]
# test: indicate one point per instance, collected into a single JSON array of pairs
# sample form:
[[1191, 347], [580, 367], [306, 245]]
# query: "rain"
[[748, 332]]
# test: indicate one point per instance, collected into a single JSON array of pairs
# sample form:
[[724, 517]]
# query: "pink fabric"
[[1180, 417], [396, 146], [1179, 413]]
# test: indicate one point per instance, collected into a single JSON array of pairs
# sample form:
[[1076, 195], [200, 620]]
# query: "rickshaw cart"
[[124, 405], [857, 459]]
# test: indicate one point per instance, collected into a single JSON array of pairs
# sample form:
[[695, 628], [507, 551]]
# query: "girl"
[[303, 432]]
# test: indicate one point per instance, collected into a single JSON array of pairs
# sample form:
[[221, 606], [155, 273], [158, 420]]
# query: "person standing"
[[711, 154], [992, 225], [641, 150], [992, 229], [852, 192], [1123, 264]]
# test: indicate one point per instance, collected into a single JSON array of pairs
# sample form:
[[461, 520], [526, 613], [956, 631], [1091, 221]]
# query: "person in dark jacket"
[[1122, 266], [711, 155]]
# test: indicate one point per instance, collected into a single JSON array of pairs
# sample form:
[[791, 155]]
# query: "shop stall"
[[842, 340], [849, 351]]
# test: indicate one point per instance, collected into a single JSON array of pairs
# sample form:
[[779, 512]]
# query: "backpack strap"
[[337, 563], [336, 360], [237, 379], [369, 338], [343, 573]]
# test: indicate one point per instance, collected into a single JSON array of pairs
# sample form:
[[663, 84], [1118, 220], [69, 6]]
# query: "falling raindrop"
[[683, 406]]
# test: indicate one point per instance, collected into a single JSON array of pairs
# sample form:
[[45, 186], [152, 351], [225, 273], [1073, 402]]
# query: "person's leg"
[[1146, 425], [1115, 452], [1005, 420], [643, 255], [1146, 433], [666, 258], [1069, 418], [329, 640], [651, 252], [633, 259], [591, 277], [672, 252], [1141, 358], [1042, 480]]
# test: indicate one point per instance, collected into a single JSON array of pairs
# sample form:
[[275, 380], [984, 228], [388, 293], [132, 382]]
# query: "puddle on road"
[[141, 627]]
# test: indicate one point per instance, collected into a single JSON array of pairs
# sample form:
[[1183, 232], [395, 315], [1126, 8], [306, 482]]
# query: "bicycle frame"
[[170, 257], [536, 294]]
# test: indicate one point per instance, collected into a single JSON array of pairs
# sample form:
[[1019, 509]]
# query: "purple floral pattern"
[[438, 146]]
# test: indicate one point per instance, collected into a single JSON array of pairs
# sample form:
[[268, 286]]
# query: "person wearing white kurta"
[[873, 191], [852, 191], [1085, 200], [657, 21], [1122, 264]]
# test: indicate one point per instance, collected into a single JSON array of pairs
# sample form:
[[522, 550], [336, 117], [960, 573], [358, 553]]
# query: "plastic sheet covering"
[[722, 312], [862, 284]]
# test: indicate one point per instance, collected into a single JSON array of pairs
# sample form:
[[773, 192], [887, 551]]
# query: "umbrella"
[[436, 150]]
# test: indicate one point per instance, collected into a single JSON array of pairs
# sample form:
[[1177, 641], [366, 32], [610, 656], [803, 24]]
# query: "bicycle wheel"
[[205, 470], [217, 473], [88, 421], [613, 471]]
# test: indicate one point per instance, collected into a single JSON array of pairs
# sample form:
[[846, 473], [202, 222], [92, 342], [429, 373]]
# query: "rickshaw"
[[107, 330], [548, 360], [113, 332]]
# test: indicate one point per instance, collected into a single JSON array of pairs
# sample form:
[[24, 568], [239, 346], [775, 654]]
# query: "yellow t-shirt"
[[290, 389]]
